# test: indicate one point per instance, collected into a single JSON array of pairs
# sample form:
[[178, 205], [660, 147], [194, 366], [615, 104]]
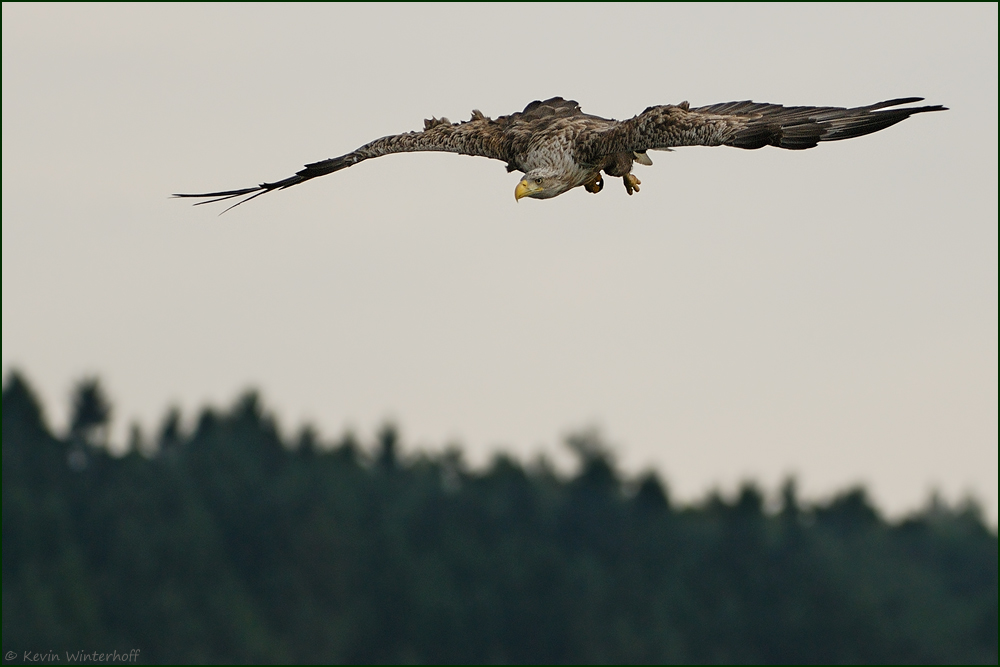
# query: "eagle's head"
[[542, 183]]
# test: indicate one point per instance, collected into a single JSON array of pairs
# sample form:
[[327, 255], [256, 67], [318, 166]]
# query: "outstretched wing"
[[748, 125], [480, 136]]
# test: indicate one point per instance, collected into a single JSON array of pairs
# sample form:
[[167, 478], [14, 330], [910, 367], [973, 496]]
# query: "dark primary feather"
[[311, 171]]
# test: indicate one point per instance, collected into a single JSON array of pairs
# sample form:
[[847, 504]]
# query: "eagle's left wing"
[[479, 136], [746, 125]]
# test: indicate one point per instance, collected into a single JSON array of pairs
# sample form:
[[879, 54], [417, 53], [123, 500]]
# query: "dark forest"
[[226, 542]]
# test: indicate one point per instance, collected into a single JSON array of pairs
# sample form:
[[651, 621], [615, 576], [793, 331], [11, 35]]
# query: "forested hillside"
[[229, 544]]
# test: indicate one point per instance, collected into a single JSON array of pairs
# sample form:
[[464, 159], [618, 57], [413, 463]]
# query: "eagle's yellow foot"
[[631, 183], [594, 185]]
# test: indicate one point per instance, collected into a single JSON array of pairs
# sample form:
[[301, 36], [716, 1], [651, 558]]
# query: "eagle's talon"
[[631, 183], [595, 185]]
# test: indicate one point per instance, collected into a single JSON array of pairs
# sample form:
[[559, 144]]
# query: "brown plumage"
[[558, 147]]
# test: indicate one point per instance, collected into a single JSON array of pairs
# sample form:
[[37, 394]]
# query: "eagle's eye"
[[538, 180]]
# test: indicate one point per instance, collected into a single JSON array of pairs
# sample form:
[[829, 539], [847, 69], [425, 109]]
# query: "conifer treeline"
[[227, 544]]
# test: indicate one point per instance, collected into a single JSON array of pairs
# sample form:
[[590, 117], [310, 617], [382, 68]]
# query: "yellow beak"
[[523, 189]]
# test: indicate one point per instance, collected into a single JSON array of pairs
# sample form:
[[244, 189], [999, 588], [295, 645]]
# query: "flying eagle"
[[558, 147]]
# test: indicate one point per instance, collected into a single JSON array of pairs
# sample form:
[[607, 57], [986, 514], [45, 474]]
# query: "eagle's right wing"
[[479, 136]]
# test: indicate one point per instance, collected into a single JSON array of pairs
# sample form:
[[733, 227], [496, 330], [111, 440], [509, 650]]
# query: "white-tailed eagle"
[[558, 147]]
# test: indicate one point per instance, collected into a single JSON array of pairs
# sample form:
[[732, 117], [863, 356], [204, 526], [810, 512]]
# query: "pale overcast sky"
[[830, 313]]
